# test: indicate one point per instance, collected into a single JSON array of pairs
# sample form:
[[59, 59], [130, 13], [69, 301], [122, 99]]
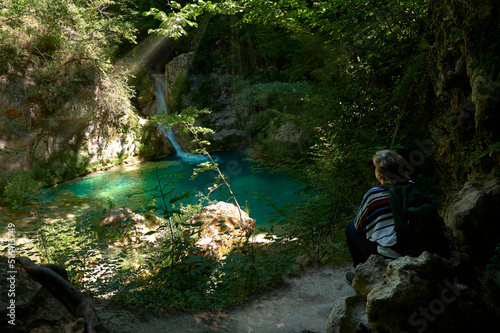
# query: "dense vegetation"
[[351, 75], [59, 42]]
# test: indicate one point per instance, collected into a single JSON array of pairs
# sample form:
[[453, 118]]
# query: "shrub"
[[292, 97], [21, 188]]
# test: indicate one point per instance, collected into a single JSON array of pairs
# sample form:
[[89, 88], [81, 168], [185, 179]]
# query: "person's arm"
[[361, 220]]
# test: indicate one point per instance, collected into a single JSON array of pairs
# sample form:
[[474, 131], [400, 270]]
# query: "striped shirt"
[[374, 218]]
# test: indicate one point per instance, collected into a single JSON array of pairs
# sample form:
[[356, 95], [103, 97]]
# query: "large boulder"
[[176, 71], [472, 218], [221, 229], [38, 299], [129, 227], [409, 294]]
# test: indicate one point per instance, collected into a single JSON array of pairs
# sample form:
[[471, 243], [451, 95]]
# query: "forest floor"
[[301, 305]]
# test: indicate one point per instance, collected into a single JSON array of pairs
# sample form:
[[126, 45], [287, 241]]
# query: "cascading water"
[[161, 108]]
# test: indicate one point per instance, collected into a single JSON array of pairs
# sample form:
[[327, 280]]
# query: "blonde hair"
[[389, 165]]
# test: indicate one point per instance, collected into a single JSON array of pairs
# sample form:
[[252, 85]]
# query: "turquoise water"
[[133, 185]]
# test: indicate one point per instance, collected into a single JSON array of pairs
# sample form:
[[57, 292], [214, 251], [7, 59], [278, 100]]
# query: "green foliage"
[[83, 248], [489, 151], [345, 20], [334, 184], [196, 282], [493, 266], [63, 31], [280, 119], [21, 188], [65, 165], [7, 54], [62, 43], [146, 135], [173, 23], [284, 96]]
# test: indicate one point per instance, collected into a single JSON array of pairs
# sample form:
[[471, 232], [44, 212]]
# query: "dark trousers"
[[360, 247]]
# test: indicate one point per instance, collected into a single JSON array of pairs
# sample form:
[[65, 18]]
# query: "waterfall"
[[161, 108]]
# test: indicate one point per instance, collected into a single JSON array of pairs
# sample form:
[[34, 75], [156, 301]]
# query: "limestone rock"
[[367, 276], [176, 70], [16, 122], [146, 98], [231, 116], [348, 315], [80, 137], [231, 119], [130, 225], [289, 132], [471, 218], [221, 229], [428, 293]]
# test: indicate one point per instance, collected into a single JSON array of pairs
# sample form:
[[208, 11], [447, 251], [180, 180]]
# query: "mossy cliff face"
[[463, 51], [93, 128]]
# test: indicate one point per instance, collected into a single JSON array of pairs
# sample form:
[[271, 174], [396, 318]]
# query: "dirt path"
[[302, 305]]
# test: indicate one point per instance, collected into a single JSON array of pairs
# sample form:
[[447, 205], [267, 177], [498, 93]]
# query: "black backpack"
[[419, 227]]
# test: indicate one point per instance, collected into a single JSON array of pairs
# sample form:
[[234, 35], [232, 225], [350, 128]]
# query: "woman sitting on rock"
[[373, 231]]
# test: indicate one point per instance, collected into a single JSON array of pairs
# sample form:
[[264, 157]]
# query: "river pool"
[[134, 185]]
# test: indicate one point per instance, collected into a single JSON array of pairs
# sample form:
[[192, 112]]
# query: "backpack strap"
[[397, 207]]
